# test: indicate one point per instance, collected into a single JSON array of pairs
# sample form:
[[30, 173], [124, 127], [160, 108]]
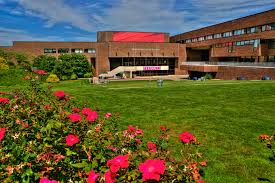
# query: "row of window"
[[255, 42], [249, 30], [67, 50]]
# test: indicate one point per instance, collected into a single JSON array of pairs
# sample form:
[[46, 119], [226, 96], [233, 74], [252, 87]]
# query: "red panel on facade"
[[138, 37]]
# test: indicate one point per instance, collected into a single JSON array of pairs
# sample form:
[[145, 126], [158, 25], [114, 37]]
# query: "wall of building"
[[245, 22], [237, 51], [250, 73]]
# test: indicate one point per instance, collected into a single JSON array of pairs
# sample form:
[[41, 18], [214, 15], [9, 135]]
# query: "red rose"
[[118, 162], [138, 141], [86, 111], [47, 107], [60, 94], [46, 180], [4, 101], [2, 133], [108, 115], [187, 137], [264, 137], [110, 177], [152, 169], [74, 117], [152, 146], [72, 140], [92, 177], [40, 72], [92, 116], [163, 128], [203, 163], [131, 128]]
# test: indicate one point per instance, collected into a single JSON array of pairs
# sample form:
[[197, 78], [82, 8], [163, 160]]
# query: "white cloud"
[[56, 11]]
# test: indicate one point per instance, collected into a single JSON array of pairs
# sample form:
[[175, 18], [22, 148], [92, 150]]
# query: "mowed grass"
[[226, 116]]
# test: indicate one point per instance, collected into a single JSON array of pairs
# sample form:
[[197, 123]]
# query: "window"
[[217, 35], [194, 40], [242, 43], [238, 32], [247, 42], [271, 44], [49, 50], [63, 50], [89, 50], [209, 37], [201, 38], [238, 43], [268, 27], [77, 50], [251, 42], [252, 30], [188, 41], [227, 34]]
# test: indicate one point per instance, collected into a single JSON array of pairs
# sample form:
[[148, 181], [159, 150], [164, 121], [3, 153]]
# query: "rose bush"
[[46, 137]]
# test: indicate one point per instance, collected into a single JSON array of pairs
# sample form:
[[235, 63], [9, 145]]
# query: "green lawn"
[[226, 117]]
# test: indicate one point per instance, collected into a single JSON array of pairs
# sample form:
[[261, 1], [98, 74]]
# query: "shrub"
[[44, 62], [87, 75], [64, 78], [3, 64], [52, 78], [208, 76], [73, 76], [63, 68], [45, 136], [79, 63]]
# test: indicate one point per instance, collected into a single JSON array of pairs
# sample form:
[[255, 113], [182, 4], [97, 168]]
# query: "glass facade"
[[89, 50], [63, 50], [77, 50], [49, 50]]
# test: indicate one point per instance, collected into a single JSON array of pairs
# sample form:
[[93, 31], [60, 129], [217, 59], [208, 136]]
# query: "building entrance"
[[145, 61]]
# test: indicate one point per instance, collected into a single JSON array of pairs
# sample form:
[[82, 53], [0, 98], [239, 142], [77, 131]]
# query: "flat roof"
[[225, 22]]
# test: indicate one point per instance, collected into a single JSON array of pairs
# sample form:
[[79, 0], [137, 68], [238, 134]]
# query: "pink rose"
[[72, 140]]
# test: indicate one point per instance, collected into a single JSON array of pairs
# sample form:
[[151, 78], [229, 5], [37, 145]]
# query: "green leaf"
[[69, 152]]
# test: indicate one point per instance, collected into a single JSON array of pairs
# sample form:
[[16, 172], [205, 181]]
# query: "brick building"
[[242, 47]]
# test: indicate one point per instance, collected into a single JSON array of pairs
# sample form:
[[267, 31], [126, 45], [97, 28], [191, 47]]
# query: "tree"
[[79, 63], [44, 62]]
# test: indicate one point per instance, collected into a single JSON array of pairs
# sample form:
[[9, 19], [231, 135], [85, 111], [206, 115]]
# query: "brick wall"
[[245, 22]]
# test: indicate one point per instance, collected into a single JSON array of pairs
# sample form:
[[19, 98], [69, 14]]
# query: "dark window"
[[77, 50], [227, 34], [49, 50], [63, 50], [271, 44], [252, 30], [89, 50]]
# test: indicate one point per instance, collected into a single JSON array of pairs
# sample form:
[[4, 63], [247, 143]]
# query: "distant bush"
[[78, 63], [87, 75], [208, 76], [64, 78], [74, 76], [52, 79], [44, 62], [3, 64]]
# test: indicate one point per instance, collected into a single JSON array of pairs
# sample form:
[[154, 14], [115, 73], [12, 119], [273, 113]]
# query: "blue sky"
[[79, 20]]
